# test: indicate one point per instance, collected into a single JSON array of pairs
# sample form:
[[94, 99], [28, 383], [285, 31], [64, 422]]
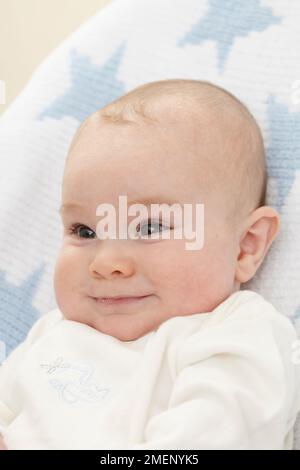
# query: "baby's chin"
[[122, 326]]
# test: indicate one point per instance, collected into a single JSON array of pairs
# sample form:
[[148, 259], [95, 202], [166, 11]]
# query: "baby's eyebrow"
[[69, 207], [145, 201], [153, 200]]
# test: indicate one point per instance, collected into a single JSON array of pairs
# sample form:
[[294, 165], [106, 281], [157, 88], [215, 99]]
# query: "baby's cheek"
[[69, 280], [212, 279], [60, 279], [198, 285], [64, 278], [67, 265]]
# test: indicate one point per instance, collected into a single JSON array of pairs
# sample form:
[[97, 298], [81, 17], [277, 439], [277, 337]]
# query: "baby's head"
[[173, 141]]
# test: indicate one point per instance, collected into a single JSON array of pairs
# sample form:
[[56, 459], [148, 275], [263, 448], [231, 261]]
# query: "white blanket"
[[250, 48]]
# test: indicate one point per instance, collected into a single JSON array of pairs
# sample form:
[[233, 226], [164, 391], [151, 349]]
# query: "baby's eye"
[[80, 230], [148, 224]]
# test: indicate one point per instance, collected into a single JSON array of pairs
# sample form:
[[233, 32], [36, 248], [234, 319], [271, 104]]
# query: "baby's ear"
[[260, 229]]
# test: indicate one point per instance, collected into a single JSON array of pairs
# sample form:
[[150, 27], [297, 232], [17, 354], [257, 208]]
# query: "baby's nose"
[[110, 261]]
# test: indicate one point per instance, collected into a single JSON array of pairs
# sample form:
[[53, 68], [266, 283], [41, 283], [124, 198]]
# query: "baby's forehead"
[[178, 121], [182, 140]]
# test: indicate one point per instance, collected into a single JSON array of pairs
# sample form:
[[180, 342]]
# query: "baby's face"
[[140, 161]]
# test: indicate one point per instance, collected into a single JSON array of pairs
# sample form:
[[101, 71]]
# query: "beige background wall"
[[30, 29]]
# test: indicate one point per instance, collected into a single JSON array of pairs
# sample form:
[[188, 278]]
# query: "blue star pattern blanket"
[[250, 48]]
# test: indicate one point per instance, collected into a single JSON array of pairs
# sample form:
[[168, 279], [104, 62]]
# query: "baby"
[[155, 346]]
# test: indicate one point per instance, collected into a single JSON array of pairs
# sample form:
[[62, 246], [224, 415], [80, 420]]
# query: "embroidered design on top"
[[73, 382]]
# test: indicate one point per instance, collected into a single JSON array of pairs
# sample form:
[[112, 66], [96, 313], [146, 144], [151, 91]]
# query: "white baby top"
[[218, 380]]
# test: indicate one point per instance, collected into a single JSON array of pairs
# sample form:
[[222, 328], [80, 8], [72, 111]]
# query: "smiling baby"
[[152, 345]]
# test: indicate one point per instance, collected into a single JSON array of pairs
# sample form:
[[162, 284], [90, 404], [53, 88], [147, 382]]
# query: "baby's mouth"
[[118, 300]]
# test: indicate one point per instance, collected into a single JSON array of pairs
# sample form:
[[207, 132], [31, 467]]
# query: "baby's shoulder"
[[245, 320], [245, 328], [253, 307], [247, 305]]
